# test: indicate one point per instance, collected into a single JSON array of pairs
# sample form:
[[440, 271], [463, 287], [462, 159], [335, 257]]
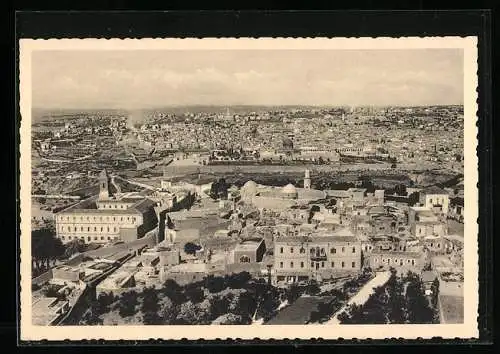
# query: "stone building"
[[106, 218]]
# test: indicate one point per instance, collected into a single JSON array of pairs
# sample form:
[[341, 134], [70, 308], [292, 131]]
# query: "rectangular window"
[[291, 249], [354, 264], [301, 264], [343, 249], [322, 264], [312, 264], [333, 264], [333, 251], [354, 250], [281, 264], [343, 264], [291, 264], [281, 250]]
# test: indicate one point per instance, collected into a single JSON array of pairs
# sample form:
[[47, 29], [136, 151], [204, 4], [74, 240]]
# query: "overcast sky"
[[145, 79]]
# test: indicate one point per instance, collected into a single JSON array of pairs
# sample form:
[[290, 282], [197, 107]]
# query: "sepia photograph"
[[248, 188]]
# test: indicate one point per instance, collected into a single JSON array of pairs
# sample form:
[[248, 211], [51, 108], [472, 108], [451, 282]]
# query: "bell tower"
[[103, 185], [307, 180]]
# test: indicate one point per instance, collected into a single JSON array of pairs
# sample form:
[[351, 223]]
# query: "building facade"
[[102, 218], [299, 259]]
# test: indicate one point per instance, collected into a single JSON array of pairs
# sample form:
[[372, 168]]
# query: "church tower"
[[307, 180], [103, 185]]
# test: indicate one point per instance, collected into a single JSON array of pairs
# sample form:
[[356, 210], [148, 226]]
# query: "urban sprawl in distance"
[[248, 215]]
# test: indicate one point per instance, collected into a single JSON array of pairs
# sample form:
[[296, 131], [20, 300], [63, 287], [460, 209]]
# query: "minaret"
[[307, 180], [103, 185]]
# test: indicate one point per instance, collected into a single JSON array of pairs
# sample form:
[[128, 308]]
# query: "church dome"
[[289, 190], [249, 188]]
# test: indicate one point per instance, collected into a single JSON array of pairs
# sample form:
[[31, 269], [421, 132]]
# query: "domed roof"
[[249, 187], [289, 189]]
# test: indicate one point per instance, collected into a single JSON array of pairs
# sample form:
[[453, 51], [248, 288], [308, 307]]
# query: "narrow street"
[[363, 295]]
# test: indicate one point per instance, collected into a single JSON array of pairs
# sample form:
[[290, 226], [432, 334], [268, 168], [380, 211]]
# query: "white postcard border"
[[469, 329]]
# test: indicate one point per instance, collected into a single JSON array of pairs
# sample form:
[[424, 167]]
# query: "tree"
[[312, 288], [149, 301], [91, 316], [173, 291], [44, 248], [191, 248], [151, 318], [417, 305], [293, 293], [194, 294], [238, 280], [314, 210], [73, 246], [104, 300], [215, 284], [127, 304]]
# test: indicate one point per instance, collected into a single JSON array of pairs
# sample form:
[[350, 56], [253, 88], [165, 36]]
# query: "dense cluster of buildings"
[[290, 234]]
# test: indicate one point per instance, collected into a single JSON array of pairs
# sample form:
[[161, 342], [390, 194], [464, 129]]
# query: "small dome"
[[249, 188], [289, 189]]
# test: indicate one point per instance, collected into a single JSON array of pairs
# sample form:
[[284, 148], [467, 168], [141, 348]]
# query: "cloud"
[[93, 79]]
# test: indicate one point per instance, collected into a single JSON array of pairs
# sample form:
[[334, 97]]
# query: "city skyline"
[[153, 79]]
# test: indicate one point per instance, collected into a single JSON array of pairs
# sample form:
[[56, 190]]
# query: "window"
[[291, 249], [301, 264], [114, 219], [408, 261], [343, 264], [69, 237], [244, 259], [412, 262], [62, 237], [312, 264], [333, 264], [354, 264], [281, 264], [81, 228], [95, 229], [281, 249], [95, 238], [291, 264], [102, 238], [354, 250], [74, 229], [88, 229], [102, 228], [114, 229], [108, 228], [121, 218], [302, 250], [322, 264], [89, 238], [62, 228], [333, 251], [343, 249]]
